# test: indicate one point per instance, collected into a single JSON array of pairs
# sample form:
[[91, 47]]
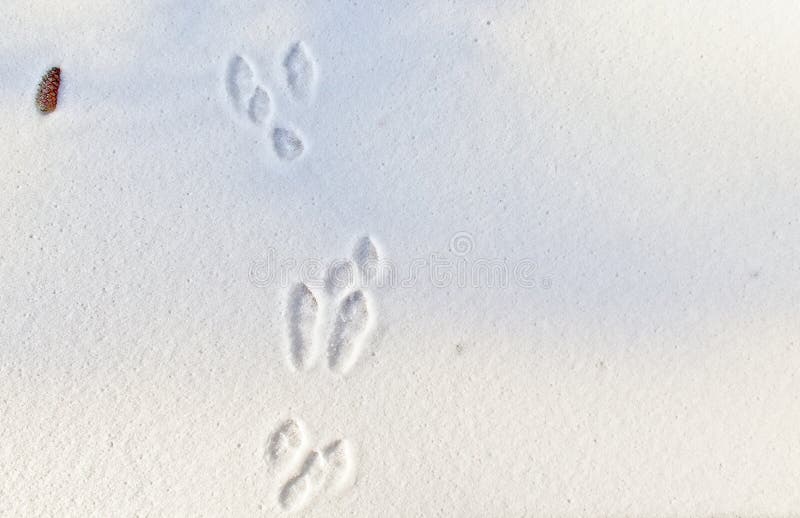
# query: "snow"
[[630, 169]]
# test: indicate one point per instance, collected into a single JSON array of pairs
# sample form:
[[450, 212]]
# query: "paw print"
[[340, 328], [245, 93], [252, 99], [307, 473]]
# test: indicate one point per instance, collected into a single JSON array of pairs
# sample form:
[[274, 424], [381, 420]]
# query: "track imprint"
[[329, 470], [285, 446], [344, 323], [366, 258], [258, 108], [340, 460], [245, 94], [287, 144], [252, 99], [300, 72], [352, 320], [239, 82], [302, 317]]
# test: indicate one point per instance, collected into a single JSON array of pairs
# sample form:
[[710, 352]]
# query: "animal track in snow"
[[244, 92], [258, 109], [328, 471], [345, 323], [297, 492], [301, 318], [307, 474], [254, 100], [285, 446], [340, 462], [287, 144], [349, 330], [300, 72], [366, 257], [239, 81]]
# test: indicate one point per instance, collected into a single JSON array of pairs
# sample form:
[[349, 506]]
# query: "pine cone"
[[47, 95]]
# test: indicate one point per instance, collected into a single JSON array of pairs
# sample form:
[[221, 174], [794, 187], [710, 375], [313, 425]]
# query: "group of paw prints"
[[306, 473], [339, 319], [253, 99]]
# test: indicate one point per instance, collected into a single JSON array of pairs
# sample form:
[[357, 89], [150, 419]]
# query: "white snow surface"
[[627, 170]]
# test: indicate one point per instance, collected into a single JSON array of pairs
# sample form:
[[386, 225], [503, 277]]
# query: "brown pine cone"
[[47, 95]]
